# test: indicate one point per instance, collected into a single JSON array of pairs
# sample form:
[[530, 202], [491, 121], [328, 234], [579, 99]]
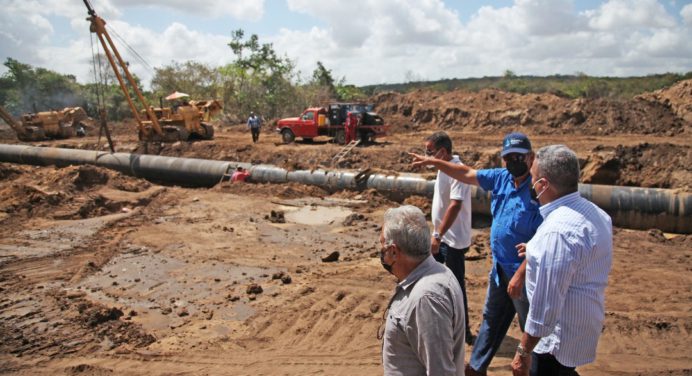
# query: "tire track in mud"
[[41, 315]]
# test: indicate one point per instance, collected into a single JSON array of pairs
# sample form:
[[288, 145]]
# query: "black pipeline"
[[630, 207]]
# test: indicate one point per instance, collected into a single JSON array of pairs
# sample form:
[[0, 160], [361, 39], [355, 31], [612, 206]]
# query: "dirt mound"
[[643, 165], [60, 192], [423, 203], [495, 110], [678, 97]]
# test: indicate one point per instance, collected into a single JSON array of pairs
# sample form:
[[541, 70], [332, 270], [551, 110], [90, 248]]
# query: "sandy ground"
[[102, 273]]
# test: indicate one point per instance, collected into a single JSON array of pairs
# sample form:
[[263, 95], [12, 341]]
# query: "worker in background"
[[239, 175], [81, 131], [350, 126], [254, 123]]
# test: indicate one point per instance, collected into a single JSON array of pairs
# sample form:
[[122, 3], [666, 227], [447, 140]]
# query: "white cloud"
[[175, 43], [630, 14], [686, 14], [396, 22], [240, 9], [26, 34], [538, 37], [376, 41]]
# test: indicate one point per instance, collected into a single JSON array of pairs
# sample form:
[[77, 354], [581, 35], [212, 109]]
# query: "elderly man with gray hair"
[[568, 262], [424, 328]]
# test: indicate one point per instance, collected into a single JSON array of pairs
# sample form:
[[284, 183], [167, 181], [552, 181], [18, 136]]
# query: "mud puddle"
[[48, 237], [164, 292]]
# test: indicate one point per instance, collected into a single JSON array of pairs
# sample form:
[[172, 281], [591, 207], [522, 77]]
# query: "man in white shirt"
[[568, 262], [424, 329], [451, 216]]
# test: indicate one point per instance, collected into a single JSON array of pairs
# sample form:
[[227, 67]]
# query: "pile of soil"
[[32, 191], [492, 110], [644, 165], [678, 97]]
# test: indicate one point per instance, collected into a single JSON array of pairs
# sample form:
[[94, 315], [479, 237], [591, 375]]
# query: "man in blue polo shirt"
[[515, 220]]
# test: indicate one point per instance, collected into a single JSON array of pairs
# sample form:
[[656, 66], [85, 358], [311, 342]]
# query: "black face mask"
[[517, 168], [386, 266], [534, 195]]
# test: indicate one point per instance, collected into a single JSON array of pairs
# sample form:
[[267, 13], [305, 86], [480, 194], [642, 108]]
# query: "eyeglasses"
[[430, 153]]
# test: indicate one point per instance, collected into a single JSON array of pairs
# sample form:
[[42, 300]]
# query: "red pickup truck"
[[329, 121]]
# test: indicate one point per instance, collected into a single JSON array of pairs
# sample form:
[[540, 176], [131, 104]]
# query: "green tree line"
[[574, 86], [257, 79]]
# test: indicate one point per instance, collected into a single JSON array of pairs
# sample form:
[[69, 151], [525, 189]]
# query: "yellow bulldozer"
[[47, 125], [191, 119]]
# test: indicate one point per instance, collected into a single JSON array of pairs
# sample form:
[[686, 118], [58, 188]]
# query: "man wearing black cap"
[[515, 220]]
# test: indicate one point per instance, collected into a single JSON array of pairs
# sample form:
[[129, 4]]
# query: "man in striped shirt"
[[568, 262]]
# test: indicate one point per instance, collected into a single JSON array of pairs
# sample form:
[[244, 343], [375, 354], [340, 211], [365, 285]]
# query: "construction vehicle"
[[330, 121], [155, 124], [46, 125], [185, 118]]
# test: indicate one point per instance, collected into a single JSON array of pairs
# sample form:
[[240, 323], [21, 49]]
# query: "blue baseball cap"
[[515, 143]]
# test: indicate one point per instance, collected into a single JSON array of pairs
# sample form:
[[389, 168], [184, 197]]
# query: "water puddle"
[[54, 236], [316, 215]]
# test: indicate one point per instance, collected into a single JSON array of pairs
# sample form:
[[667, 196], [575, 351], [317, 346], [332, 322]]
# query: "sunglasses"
[[430, 153]]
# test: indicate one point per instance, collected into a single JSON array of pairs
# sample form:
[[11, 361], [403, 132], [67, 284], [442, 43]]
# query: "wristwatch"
[[436, 235], [522, 352]]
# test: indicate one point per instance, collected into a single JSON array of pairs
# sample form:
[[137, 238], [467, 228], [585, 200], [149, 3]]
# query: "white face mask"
[[536, 195]]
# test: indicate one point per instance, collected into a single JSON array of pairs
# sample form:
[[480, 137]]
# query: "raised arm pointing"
[[463, 173]]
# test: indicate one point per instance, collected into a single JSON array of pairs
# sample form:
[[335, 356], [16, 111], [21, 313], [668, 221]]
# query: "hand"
[[434, 246], [420, 160], [521, 366], [521, 249], [515, 285]]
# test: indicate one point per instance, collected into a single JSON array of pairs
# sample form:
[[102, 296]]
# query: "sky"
[[366, 41]]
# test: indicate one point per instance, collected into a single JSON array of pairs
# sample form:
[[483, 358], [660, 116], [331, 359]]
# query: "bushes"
[[572, 86]]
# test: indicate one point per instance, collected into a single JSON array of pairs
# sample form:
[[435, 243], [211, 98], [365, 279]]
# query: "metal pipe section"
[[630, 207]]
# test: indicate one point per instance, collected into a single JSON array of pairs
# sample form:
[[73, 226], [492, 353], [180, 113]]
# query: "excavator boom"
[[14, 124], [98, 26], [154, 124]]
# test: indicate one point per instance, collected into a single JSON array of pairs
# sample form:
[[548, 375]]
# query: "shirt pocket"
[[394, 329], [523, 222]]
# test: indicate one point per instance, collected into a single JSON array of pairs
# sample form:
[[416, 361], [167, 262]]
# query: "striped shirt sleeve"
[[555, 269]]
